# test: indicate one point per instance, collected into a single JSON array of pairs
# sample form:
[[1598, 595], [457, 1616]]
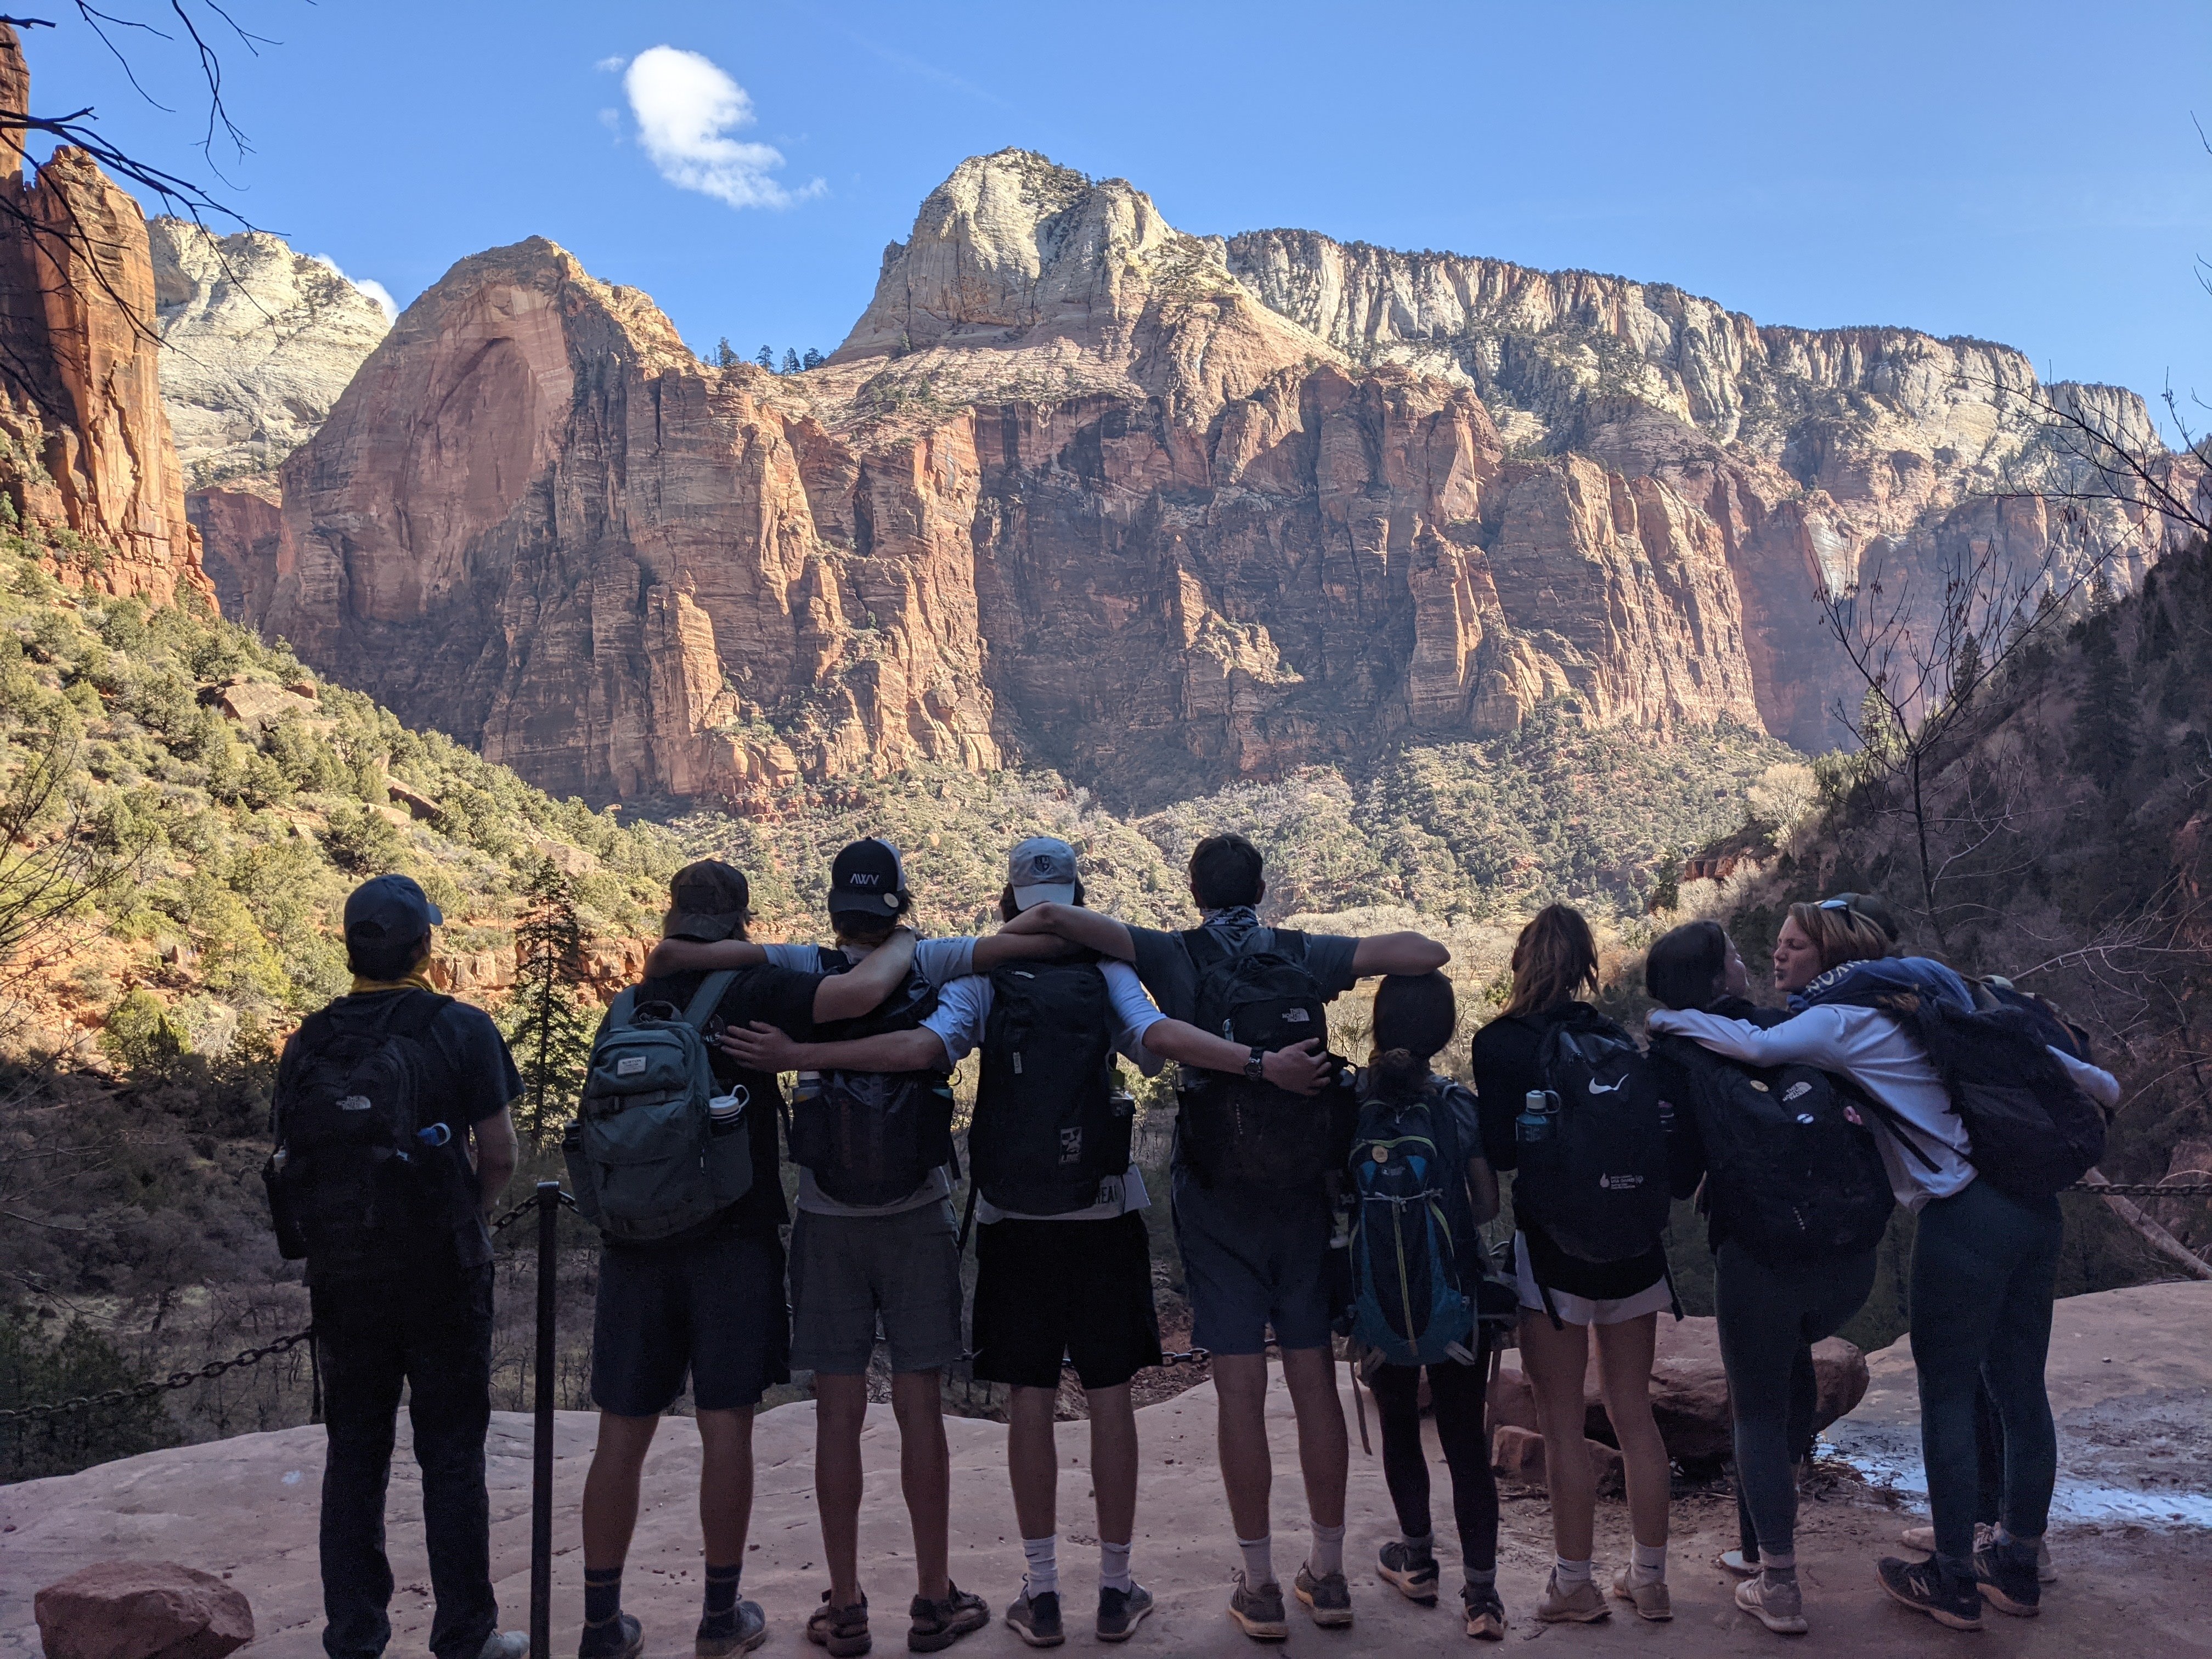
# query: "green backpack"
[[643, 1157]]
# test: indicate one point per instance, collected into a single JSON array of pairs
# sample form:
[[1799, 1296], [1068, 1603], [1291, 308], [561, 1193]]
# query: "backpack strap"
[[1206, 947], [1902, 1132], [708, 998], [416, 1012], [623, 1012], [967, 1221]]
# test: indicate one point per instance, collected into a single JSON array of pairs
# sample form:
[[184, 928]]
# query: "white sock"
[[1650, 1566], [1327, 1555], [1043, 1578], [1570, 1573], [1113, 1568], [1258, 1560]]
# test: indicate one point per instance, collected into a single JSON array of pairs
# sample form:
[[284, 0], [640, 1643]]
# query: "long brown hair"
[[1554, 957]]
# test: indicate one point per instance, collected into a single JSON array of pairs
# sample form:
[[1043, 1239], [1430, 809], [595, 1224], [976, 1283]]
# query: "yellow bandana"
[[419, 981]]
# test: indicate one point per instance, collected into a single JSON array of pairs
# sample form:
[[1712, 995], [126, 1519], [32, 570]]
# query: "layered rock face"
[[84, 444], [258, 341], [1080, 489], [1822, 457]]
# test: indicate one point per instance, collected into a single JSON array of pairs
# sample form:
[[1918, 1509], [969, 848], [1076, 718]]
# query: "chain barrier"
[[2141, 1189]]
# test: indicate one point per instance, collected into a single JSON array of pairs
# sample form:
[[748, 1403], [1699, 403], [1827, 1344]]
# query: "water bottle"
[[434, 1134], [727, 1113], [1538, 1110]]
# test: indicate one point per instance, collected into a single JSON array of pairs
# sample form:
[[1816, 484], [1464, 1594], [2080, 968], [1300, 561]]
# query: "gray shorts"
[[850, 1272]]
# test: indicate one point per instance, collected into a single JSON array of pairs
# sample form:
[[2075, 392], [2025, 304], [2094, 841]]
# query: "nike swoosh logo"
[[1608, 1088]]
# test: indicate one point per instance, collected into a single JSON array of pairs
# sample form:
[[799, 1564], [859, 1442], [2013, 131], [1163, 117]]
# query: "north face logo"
[[1297, 1016], [355, 1103]]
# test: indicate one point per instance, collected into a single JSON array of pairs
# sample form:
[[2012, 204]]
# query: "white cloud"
[[375, 289], [686, 108], [609, 65]]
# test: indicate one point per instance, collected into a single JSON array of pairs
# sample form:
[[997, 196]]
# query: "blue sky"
[[2025, 172]]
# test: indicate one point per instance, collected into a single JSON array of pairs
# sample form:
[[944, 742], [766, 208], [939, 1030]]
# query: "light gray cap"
[[1041, 870]]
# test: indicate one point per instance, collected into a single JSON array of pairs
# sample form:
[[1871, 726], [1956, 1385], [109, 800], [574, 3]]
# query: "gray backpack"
[[643, 1157]]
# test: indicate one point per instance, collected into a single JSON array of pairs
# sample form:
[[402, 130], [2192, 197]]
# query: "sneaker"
[[1035, 1619], [2007, 1576], [619, 1637], [1923, 1586], [1923, 1540], [505, 1644], [1649, 1600], [1583, 1604], [938, 1624], [1413, 1571], [1119, 1611], [1737, 1562], [1776, 1603], [1329, 1598], [740, 1630], [1259, 1613], [843, 1630], [1486, 1613]]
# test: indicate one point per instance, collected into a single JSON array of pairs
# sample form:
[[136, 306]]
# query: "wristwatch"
[[1255, 1068]]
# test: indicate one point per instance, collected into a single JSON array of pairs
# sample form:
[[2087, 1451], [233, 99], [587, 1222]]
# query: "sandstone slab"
[[141, 1610]]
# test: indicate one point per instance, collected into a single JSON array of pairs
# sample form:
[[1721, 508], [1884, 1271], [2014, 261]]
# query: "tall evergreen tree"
[[2103, 720], [790, 361], [726, 355], [547, 1017], [813, 359], [766, 358], [1965, 669]]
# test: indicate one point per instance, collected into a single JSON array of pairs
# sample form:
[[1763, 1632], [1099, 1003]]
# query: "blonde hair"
[[1840, 934], [1555, 956]]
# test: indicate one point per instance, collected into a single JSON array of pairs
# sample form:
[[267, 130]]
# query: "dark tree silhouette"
[[546, 1018]]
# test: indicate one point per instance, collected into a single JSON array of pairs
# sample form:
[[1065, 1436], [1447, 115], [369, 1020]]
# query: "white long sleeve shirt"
[[1873, 1049]]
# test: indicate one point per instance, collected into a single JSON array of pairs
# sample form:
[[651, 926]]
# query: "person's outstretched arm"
[[762, 1048], [860, 988], [687, 956], [1398, 953], [1078, 926], [995, 950], [1301, 1068], [1819, 1036]]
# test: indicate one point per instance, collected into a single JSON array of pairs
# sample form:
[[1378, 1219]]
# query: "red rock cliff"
[[84, 443]]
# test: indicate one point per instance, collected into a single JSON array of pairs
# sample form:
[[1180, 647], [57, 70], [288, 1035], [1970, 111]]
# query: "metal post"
[[541, 1474]]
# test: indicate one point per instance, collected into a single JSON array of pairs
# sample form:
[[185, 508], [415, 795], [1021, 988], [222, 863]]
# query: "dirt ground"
[[245, 1508]]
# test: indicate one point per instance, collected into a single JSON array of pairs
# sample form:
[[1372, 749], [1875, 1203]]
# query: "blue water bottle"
[[1538, 1110]]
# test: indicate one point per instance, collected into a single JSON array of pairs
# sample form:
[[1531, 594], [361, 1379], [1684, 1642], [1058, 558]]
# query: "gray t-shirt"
[[940, 961], [1163, 960]]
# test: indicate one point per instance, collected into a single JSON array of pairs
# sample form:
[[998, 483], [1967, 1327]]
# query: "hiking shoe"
[[1923, 1540], [1776, 1603], [843, 1630], [1035, 1619], [1486, 1613], [1329, 1598], [1582, 1605], [2006, 1575], [1413, 1571], [938, 1624], [1259, 1613], [1925, 1588], [1650, 1601], [1119, 1611], [1737, 1562], [505, 1644], [619, 1637], [740, 1630]]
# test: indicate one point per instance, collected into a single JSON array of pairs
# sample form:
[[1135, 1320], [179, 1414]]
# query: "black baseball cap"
[[706, 901], [867, 877], [1867, 905], [389, 907]]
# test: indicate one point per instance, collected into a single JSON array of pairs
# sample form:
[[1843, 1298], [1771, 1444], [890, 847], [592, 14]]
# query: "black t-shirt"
[[472, 1077], [775, 996], [1504, 1057]]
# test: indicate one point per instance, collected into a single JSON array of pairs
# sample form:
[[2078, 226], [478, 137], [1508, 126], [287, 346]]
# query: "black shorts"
[[713, 1308], [1081, 1289]]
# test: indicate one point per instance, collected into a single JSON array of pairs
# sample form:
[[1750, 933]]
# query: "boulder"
[[1517, 1455], [141, 1610]]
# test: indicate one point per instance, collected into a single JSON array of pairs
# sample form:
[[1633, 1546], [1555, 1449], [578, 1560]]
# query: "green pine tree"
[[726, 355], [766, 358], [2103, 720], [1966, 670], [547, 1016]]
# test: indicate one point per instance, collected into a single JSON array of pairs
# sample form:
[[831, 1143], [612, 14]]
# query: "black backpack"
[[872, 1138], [1050, 1125], [1597, 1182], [1792, 1171], [1237, 1132], [358, 1181], [2029, 1129]]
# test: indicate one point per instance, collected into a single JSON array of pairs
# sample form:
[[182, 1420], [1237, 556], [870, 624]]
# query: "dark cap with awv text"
[[867, 877]]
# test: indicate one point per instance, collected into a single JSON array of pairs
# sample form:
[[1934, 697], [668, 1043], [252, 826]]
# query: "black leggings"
[[1459, 1393]]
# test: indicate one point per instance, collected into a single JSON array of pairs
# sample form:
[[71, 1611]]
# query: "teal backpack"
[[643, 1158], [1412, 1279]]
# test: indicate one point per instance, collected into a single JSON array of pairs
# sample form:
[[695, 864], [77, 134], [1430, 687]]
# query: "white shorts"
[[1581, 1309]]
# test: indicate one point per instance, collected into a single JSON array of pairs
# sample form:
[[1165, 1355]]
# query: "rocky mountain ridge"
[[1161, 511]]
